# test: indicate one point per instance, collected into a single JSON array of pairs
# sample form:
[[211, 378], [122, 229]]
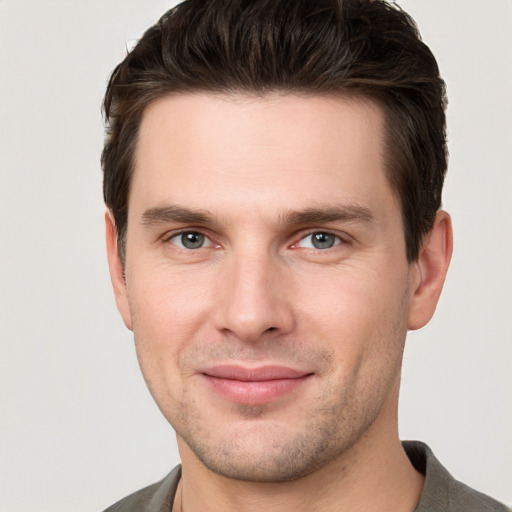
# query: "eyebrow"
[[173, 213], [345, 213]]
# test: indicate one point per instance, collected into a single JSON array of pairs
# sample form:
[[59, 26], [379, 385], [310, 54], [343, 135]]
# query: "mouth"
[[253, 386]]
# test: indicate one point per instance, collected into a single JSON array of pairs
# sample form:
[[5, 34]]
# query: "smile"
[[253, 386]]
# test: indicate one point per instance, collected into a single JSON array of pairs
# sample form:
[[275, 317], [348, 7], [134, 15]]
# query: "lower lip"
[[254, 392]]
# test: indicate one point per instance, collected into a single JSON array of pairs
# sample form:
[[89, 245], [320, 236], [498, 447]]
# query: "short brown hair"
[[314, 47]]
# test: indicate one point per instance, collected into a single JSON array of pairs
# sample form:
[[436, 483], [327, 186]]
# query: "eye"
[[190, 240], [319, 240]]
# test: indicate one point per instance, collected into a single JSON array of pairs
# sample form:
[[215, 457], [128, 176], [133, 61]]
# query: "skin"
[[247, 173]]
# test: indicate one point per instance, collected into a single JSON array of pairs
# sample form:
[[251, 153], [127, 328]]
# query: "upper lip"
[[261, 373]]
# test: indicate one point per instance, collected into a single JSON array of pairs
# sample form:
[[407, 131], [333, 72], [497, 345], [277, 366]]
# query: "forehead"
[[209, 151]]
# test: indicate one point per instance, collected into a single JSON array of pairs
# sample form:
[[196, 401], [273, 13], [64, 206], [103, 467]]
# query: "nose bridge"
[[251, 301]]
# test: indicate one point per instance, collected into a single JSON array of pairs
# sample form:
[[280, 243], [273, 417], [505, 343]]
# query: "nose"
[[254, 298]]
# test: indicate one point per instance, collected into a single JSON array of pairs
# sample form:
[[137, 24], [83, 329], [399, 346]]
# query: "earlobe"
[[430, 271], [116, 270]]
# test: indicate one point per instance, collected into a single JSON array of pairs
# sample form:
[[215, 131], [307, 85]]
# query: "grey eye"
[[323, 240], [190, 240], [319, 240]]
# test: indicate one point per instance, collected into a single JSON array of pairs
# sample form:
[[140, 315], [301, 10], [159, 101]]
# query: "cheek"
[[356, 313], [168, 313], [363, 326], [167, 305]]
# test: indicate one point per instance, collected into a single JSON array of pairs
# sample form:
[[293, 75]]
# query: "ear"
[[117, 270], [429, 271]]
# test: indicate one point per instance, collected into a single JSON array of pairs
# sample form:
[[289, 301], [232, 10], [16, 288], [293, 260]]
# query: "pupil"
[[192, 240], [323, 240]]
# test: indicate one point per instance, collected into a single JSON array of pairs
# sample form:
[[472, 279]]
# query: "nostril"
[[270, 329]]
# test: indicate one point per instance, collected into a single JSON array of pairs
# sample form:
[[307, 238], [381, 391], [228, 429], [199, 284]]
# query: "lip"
[[253, 386]]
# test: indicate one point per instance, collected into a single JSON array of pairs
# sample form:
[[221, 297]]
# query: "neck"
[[373, 475]]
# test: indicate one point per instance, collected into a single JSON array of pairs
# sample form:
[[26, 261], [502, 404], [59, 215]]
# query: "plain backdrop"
[[78, 429]]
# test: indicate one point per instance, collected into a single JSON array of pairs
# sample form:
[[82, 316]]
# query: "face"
[[266, 279]]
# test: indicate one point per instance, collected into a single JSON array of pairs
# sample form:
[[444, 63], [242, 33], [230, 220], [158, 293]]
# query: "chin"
[[270, 453]]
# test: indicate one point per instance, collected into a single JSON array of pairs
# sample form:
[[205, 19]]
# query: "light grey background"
[[78, 429]]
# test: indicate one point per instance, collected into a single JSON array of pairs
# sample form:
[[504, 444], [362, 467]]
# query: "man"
[[273, 174]]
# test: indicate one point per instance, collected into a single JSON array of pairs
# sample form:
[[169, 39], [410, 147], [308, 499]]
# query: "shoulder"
[[157, 497], [442, 492]]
